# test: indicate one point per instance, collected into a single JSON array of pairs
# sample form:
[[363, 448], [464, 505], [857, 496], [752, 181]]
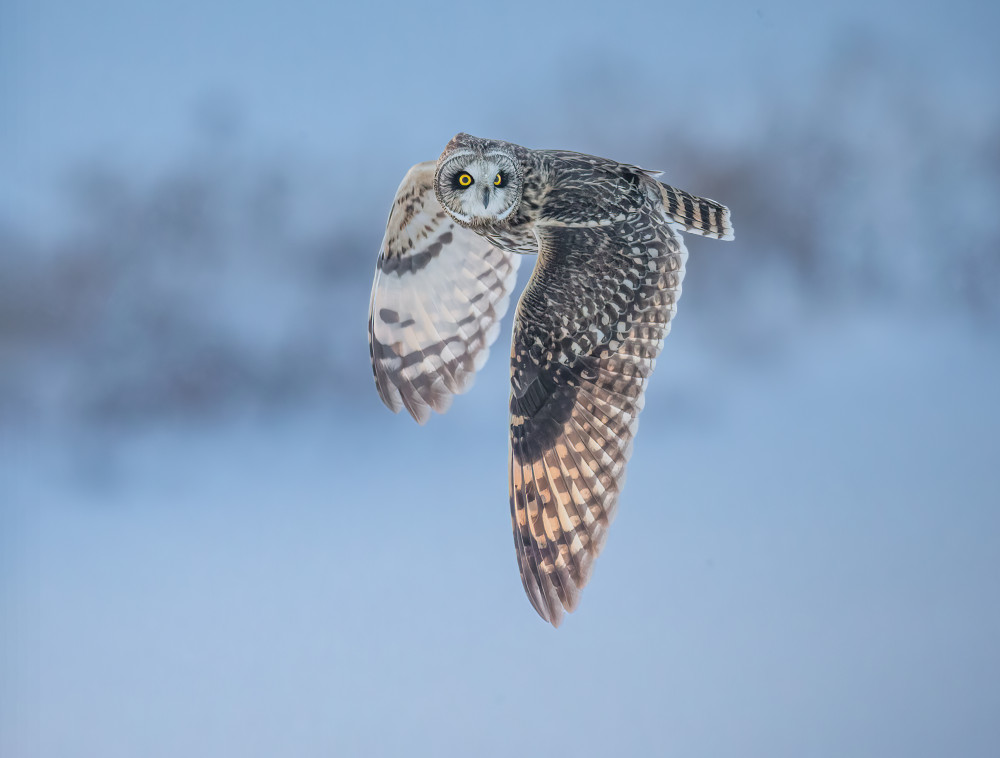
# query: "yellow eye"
[[498, 181], [465, 179]]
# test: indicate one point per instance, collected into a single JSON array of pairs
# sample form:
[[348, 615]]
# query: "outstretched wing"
[[440, 291], [588, 329]]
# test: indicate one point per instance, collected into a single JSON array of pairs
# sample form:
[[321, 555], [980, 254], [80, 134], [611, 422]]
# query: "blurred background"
[[214, 540]]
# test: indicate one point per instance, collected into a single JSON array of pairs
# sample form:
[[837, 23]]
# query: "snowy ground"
[[805, 563]]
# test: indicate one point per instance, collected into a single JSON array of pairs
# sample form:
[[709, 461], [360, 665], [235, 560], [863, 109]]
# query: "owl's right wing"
[[440, 291], [587, 333]]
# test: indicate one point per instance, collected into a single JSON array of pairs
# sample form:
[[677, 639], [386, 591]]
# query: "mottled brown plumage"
[[587, 329]]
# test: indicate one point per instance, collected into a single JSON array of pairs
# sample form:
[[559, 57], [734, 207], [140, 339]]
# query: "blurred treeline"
[[205, 288]]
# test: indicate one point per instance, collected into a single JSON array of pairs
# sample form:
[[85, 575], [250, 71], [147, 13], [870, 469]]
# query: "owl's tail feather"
[[697, 215]]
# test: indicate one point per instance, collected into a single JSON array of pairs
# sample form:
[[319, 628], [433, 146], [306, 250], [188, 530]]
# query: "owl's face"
[[478, 187]]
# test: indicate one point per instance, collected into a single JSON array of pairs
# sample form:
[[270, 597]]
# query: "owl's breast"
[[525, 244], [514, 238]]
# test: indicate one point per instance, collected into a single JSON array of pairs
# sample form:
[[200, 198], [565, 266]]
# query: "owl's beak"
[[486, 197]]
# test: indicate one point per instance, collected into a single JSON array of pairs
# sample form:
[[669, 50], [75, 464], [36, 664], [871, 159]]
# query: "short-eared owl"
[[587, 330]]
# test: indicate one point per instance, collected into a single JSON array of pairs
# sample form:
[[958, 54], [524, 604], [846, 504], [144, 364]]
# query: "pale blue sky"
[[379, 85], [806, 556]]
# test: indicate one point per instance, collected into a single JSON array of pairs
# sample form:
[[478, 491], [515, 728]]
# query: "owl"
[[587, 329]]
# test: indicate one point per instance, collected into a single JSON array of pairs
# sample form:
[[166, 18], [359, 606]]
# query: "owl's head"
[[478, 181]]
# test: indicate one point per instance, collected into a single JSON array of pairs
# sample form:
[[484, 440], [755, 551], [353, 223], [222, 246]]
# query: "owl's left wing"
[[440, 291], [588, 329]]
